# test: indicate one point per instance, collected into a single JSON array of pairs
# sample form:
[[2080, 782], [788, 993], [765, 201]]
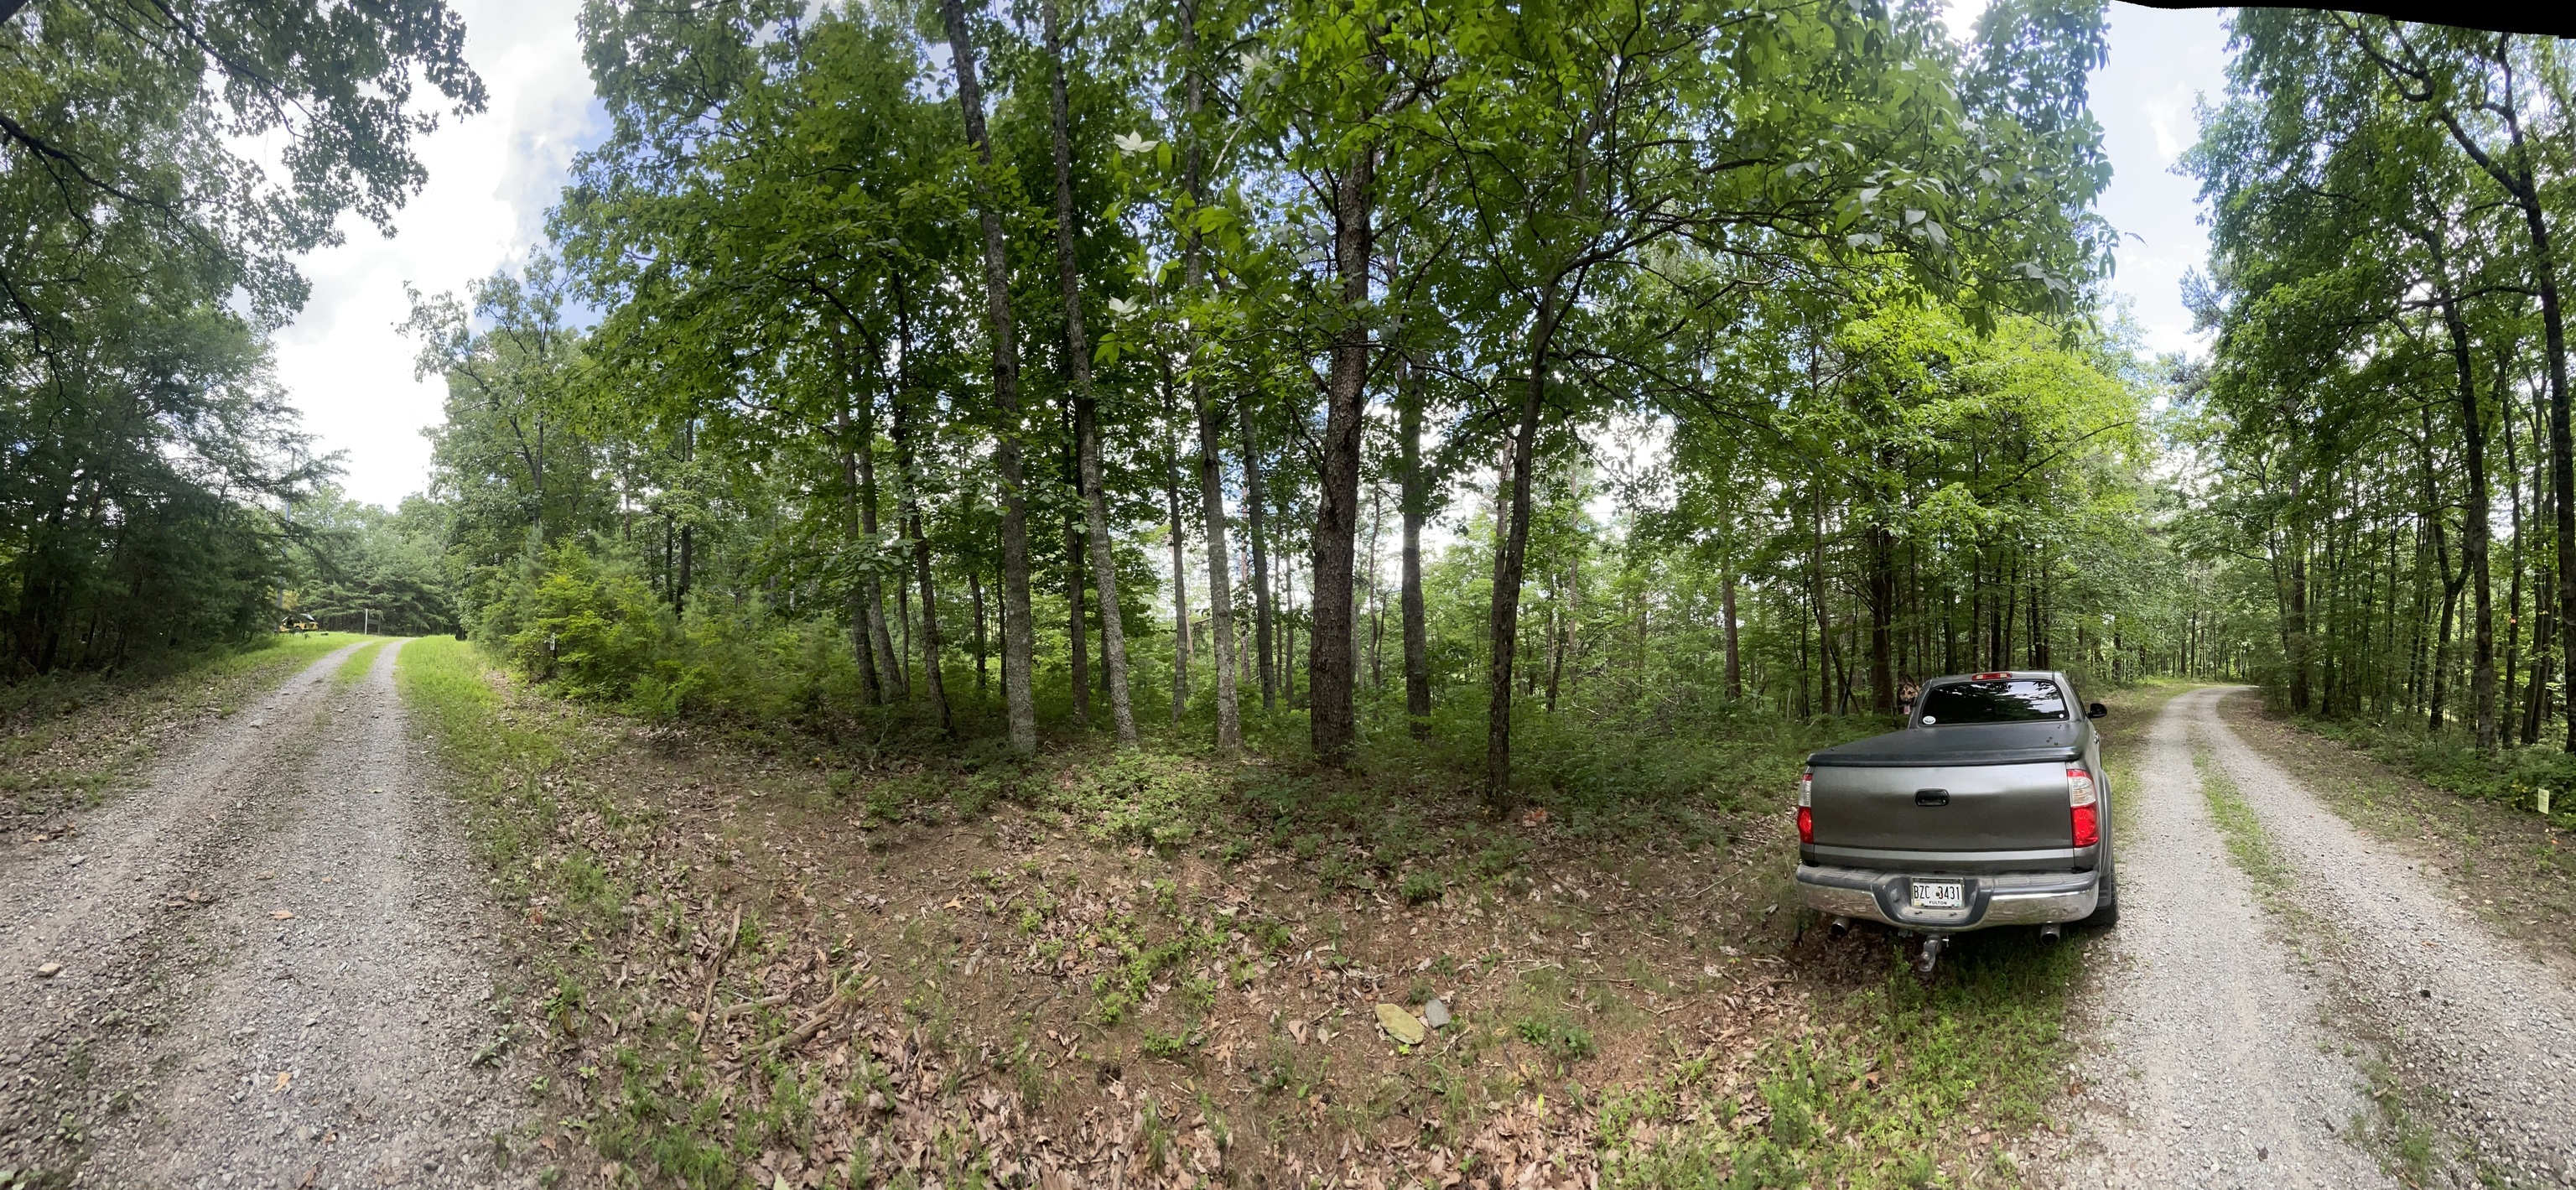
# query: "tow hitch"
[[1933, 945]]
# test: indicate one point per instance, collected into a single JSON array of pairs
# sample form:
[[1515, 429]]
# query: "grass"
[[354, 667], [74, 740]]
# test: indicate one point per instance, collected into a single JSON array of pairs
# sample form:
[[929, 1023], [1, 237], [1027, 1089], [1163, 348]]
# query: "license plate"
[[1938, 894]]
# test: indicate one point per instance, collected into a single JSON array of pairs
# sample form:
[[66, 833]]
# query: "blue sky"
[[492, 176]]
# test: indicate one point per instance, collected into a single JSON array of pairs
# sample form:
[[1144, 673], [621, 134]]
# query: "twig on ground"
[[707, 1007]]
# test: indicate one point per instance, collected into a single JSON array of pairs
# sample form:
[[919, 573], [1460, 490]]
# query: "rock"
[[1399, 1024], [78, 860], [49, 970], [1435, 1014]]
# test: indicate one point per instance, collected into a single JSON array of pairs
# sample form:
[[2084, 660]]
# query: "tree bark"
[[908, 503], [1332, 719], [1504, 640], [1019, 644], [2473, 532], [1734, 658], [1416, 507], [1229, 723], [871, 594], [1180, 568], [1254, 503], [1086, 416]]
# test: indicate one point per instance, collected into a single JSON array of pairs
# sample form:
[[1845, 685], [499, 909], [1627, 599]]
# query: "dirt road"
[[264, 969], [2240, 1046]]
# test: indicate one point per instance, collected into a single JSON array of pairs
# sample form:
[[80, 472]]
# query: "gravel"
[[2492, 1031], [191, 1042], [2206, 1063]]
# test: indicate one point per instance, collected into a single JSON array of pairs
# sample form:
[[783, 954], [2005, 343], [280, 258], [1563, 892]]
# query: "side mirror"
[[2096, 711]]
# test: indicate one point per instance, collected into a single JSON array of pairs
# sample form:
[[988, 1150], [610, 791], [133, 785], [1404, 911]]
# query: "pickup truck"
[[1988, 808]]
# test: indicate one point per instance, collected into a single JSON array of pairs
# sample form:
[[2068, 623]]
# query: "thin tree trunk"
[[1229, 723], [1086, 418], [1416, 502], [975, 595], [1254, 503], [871, 687], [1504, 640], [908, 502], [2473, 532], [1180, 568], [1019, 644], [1077, 628], [871, 594], [1734, 657]]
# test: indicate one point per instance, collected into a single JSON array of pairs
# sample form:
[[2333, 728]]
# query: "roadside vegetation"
[[741, 964]]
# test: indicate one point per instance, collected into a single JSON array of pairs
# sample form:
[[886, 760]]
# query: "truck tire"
[[2106, 912]]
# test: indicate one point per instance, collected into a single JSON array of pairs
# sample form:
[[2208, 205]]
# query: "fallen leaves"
[[285, 1078]]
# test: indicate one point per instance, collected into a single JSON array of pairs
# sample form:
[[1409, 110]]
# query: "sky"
[[492, 176]]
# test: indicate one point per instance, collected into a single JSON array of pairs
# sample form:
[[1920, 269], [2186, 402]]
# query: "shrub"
[[590, 628]]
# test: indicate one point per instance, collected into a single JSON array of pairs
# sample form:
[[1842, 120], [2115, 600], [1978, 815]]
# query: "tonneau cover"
[[1964, 744]]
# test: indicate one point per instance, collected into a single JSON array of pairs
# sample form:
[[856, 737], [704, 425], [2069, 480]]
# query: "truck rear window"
[[2007, 700]]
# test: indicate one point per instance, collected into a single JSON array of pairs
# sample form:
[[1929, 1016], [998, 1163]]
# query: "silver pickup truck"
[[1989, 808]]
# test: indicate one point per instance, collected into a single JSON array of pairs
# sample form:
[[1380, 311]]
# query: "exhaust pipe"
[[2051, 932], [1841, 926], [1932, 948]]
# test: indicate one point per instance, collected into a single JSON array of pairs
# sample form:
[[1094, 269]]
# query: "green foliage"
[[592, 629], [1136, 796], [150, 253]]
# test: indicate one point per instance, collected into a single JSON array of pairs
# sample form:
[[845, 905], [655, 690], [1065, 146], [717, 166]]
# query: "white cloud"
[[491, 178]]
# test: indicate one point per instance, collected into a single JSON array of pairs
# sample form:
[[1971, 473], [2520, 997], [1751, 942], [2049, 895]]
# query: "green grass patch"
[[2254, 852], [1881, 1097], [353, 668]]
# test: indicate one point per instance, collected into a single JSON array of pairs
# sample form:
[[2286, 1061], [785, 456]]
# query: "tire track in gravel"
[[91, 905], [2205, 1054], [2472, 1017], [336, 1047]]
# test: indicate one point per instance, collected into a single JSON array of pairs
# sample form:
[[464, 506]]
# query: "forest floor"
[[1160, 969], [2295, 1001], [259, 968]]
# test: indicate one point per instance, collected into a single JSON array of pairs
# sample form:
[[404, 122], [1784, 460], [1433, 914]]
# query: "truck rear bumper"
[[1993, 899]]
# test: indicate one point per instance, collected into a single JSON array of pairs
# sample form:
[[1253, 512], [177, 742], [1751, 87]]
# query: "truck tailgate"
[[1943, 808]]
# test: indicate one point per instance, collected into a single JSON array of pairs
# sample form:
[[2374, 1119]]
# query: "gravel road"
[[2232, 1047], [273, 967], [2470, 1014]]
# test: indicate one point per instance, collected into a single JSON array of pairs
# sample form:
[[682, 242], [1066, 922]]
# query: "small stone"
[[1436, 1015], [1399, 1024], [49, 970], [78, 860], [306, 1133]]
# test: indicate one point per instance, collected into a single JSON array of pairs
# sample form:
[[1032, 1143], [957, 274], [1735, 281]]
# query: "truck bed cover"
[[1962, 744]]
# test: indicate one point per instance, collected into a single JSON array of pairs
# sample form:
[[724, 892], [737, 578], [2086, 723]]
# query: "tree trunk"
[[1019, 644], [1504, 640], [871, 593], [1331, 666], [1086, 416], [871, 687], [975, 595], [1229, 722], [908, 502], [1180, 567], [1882, 612], [2473, 533], [1734, 657], [1077, 628], [1416, 501], [1255, 501]]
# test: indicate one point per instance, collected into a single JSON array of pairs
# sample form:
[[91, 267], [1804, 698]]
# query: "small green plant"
[[1168, 1046], [1421, 888], [1562, 1039]]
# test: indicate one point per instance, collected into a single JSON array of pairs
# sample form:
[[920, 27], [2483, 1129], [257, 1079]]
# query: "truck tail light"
[[1806, 804], [2083, 808]]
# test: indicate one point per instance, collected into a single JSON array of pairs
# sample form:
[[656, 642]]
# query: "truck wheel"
[[2106, 912]]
